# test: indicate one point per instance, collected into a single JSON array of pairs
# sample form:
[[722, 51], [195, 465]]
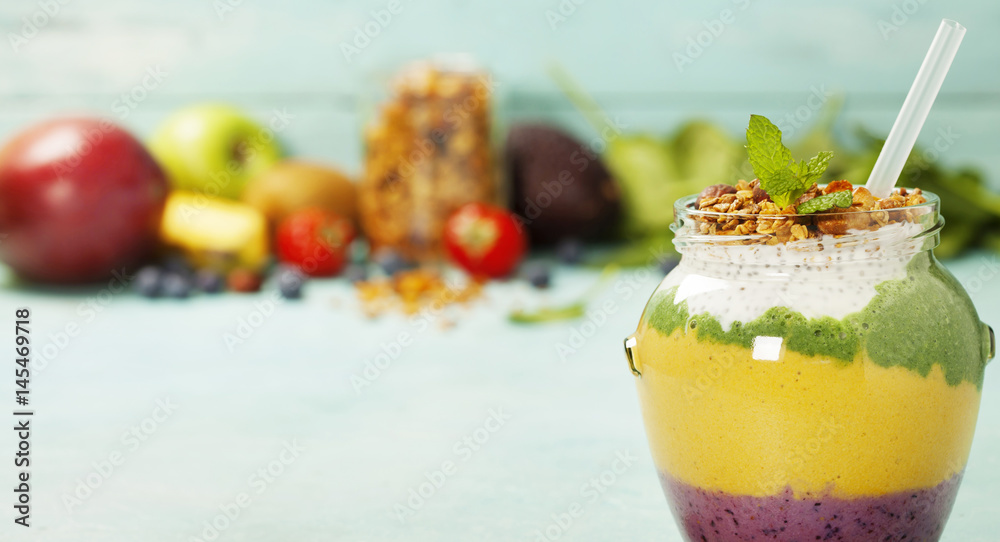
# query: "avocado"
[[558, 186]]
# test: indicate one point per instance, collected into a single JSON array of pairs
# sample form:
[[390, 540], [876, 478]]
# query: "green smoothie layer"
[[916, 322]]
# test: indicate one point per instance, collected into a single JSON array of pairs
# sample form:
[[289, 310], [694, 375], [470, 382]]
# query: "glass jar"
[[817, 389], [427, 152]]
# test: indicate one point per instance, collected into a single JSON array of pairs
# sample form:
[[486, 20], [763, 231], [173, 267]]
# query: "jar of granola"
[[809, 376], [427, 152]]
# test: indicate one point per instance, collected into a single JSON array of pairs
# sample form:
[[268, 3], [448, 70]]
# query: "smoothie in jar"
[[809, 371]]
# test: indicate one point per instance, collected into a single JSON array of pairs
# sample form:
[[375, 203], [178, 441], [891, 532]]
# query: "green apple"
[[214, 149]]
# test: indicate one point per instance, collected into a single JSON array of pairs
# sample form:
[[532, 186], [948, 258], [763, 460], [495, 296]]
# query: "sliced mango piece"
[[214, 232]]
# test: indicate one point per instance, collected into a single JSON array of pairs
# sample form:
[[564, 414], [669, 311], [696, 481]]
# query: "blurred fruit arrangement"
[[212, 204]]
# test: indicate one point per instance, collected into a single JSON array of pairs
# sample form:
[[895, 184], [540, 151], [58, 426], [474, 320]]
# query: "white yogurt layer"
[[826, 276]]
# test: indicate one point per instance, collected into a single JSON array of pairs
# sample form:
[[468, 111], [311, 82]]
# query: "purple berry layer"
[[714, 516]]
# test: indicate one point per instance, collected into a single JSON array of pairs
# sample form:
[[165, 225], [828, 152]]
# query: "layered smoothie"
[[778, 421], [799, 382]]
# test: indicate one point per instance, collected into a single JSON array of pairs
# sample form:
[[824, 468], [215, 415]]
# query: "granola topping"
[[747, 213]]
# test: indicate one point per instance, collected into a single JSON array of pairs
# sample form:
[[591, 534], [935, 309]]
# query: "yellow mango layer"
[[720, 420]]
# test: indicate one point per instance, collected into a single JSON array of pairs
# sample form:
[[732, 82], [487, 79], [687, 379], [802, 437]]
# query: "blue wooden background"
[[62, 56]]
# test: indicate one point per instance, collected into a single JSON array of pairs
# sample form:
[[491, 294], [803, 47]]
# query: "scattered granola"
[[413, 290]]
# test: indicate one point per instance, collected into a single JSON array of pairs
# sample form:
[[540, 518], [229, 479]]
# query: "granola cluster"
[[427, 153], [746, 210], [412, 291]]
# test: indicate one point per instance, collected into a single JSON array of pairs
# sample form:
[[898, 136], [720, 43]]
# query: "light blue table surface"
[[350, 459]]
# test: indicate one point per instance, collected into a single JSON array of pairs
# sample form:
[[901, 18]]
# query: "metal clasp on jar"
[[991, 348], [630, 343]]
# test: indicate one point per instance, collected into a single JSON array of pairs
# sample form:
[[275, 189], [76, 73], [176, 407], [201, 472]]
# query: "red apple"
[[79, 199]]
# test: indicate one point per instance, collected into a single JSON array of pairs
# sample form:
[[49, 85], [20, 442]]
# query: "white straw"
[[915, 108]]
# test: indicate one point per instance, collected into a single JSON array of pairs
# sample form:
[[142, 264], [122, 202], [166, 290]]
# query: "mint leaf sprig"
[[781, 177], [841, 199]]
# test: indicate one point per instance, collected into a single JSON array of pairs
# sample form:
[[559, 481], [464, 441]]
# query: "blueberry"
[[149, 281], [290, 281], [667, 263], [210, 282], [538, 274], [391, 261], [291, 289], [176, 285], [356, 272], [179, 265], [570, 251]]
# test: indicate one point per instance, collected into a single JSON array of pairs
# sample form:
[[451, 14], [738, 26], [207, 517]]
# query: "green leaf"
[[781, 177], [572, 311], [816, 166], [786, 188], [547, 314], [767, 154], [842, 199]]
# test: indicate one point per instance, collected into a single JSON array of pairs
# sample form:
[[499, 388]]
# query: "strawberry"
[[315, 241], [485, 240]]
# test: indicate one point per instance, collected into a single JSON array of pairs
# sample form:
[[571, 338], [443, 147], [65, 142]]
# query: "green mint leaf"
[[781, 177], [547, 314], [842, 199], [784, 188], [816, 166], [767, 154]]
